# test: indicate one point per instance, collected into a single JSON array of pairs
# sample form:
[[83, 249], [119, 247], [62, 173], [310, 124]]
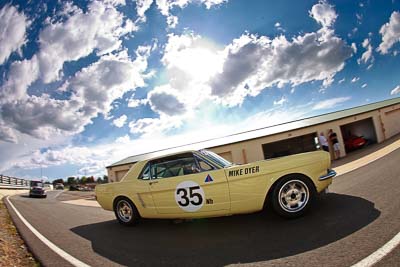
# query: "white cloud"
[[12, 31], [166, 100], [97, 30], [354, 47], [280, 101], [330, 103], [323, 13], [359, 18], [120, 122], [133, 103], [353, 32], [92, 90], [7, 134], [198, 71], [278, 26], [364, 85], [123, 139], [395, 90], [142, 6], [355, 79], [115, 2], [390, 32], [342, 81], [155, 126], [165, 7], [367, 55], [211, 3], [254, 63], [20, 76]]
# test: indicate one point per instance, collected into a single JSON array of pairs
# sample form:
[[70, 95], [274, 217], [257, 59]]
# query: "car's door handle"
[[154, 182]]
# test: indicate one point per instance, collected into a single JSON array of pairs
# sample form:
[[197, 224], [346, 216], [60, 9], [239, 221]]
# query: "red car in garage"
[[354, 142]]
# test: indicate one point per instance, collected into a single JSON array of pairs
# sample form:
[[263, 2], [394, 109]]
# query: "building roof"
[[261, 132]]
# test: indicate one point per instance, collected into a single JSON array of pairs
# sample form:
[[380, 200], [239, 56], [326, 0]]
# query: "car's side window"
[[145, 174], [179, 165], [204, 166]]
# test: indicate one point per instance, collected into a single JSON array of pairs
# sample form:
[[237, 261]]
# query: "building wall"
[[386, 122], [252, 149], [391, 120], [117, 172]]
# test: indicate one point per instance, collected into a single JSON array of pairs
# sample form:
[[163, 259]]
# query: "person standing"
[[335, 143], [323, 142]]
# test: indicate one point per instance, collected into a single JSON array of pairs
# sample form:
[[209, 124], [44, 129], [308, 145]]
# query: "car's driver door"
[[186, 183]]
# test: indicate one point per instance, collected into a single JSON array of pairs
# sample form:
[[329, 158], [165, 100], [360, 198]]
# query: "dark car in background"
[[37, 189], [59, 186]]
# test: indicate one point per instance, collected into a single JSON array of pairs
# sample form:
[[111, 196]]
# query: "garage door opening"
[[358, 134], [295, 145]]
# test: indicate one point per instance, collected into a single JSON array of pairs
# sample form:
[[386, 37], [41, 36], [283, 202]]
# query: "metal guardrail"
[[8, 182]]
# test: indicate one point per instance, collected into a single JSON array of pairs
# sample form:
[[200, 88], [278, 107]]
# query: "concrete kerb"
[[11, 192], [350, 166]]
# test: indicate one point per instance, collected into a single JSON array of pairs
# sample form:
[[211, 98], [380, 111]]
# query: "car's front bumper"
[[331, 173], [37, 193]]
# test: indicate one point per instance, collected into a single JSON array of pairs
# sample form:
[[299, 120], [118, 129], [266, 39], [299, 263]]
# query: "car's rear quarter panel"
[[248, 192], [130, 187]]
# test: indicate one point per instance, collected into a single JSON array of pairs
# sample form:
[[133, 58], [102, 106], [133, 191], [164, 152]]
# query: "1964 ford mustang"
[[199, 184]]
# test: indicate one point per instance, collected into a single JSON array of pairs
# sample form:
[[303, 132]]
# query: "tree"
[[90, 179], [99, 180], [58, 181], [83, 180], [71, 180], [105, 179]]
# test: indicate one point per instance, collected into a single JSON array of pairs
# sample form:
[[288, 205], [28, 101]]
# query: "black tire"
[[126, 212], [293, 195]]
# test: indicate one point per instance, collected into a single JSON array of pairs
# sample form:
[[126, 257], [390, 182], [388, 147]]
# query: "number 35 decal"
[[189, 196]]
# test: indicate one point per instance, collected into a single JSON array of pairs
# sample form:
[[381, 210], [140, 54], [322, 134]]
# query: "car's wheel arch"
[[119, 197], [275, 183]]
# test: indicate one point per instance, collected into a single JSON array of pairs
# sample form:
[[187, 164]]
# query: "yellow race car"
[[199, 184]]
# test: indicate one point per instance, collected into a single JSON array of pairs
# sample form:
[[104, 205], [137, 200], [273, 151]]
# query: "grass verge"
[[13, 251]]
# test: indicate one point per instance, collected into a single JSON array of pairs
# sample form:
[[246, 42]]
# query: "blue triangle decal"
[[208, 179]]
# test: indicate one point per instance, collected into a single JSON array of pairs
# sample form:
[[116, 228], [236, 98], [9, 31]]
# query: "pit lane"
[[361, 213]]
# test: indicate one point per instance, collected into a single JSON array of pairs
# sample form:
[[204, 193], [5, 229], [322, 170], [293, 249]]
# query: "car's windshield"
[[39, 184], [215, 158]]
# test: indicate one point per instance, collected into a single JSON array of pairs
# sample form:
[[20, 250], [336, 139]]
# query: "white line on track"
[[52, 246], [380, 253]]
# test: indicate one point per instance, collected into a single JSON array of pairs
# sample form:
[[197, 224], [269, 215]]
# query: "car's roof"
[[152, 155], [164, 155]]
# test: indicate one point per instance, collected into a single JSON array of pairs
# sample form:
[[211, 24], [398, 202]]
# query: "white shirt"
[[323, 141]]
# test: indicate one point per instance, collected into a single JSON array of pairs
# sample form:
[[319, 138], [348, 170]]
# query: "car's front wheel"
[[126, 212], [293, 195]]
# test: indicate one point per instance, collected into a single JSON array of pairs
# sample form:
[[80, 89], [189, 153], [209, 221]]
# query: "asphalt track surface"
[[361, 214]]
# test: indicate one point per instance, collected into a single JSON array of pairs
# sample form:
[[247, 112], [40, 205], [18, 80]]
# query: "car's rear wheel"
[[126, 212], [293, 195]]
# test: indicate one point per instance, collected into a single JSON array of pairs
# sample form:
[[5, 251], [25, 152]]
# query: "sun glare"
[[200, 63]]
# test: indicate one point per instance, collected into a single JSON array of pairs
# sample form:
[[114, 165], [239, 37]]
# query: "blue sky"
[[86, 83]]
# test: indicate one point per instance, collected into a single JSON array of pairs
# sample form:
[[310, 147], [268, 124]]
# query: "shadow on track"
[[235, 239]]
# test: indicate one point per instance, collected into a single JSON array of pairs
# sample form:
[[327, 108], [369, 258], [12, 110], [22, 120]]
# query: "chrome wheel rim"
[[124, 210], [293, 196]]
